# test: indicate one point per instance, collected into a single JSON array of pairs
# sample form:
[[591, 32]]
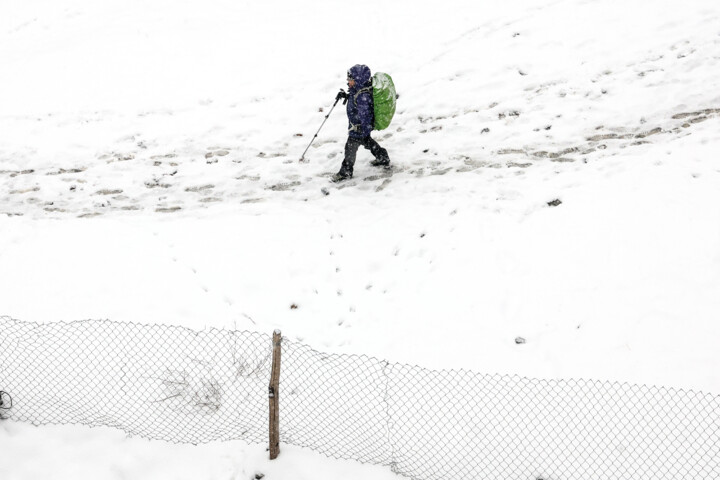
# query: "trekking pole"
[[337, 99]]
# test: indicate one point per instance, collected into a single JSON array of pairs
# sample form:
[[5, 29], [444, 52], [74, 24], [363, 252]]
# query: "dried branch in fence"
[[5, 405]]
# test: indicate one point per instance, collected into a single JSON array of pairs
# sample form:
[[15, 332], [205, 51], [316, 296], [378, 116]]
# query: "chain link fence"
[[155, 381], [176, 384]]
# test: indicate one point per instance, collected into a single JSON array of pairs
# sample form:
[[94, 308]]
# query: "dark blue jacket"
[[360, 102]]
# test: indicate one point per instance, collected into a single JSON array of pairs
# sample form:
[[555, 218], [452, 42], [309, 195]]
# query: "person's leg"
[[351, 148], [380, 154]]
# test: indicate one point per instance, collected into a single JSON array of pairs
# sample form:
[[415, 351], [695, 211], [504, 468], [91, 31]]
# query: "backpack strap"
[[362, 90]]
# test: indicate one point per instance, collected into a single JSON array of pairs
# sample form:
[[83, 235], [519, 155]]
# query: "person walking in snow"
[[360, 119]]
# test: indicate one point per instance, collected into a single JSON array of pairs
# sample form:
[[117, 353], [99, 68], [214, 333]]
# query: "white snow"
[[149, 173]]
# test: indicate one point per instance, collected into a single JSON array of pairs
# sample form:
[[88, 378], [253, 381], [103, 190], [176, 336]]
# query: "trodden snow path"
[[137, 177]]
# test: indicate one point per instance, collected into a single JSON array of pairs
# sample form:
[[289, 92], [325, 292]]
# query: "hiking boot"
[[340, 176], [380, 162]]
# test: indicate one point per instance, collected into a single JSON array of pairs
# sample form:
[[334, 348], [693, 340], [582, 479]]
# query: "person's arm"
[[365, 112]]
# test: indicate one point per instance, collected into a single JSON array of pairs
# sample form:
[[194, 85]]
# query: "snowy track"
[[137, 178]]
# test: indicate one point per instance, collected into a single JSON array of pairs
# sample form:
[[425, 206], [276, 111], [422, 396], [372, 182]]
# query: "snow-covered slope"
[[556, 178]]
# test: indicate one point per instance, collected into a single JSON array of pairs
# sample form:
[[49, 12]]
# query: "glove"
[[343, 95]]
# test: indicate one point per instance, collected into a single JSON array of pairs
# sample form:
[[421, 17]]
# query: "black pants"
[[351, 148]]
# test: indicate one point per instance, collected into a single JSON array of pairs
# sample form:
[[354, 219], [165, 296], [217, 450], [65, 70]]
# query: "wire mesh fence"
[[155, 381], [175, 384], [335, 404], [507, 427]]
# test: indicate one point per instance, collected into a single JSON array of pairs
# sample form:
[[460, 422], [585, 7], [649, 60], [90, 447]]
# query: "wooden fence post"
[[274, 396]]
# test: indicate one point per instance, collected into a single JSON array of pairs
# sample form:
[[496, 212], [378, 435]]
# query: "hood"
[[361, 74]]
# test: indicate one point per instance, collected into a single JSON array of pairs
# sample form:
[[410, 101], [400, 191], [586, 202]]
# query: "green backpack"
[[384, 99]]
